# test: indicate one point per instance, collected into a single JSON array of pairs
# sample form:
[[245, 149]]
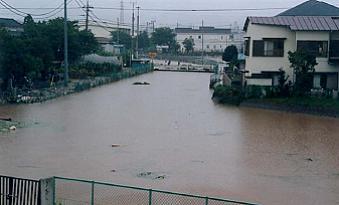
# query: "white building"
[[307, 27], [209, 39]]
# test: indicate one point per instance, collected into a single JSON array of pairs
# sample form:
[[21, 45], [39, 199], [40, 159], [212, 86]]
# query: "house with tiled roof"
[[11, 25], [312, 26]]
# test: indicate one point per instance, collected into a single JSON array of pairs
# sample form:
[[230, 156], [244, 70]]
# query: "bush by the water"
[[90, 69], [228, 95]]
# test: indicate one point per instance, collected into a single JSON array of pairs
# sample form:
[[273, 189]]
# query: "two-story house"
[[312, 26]]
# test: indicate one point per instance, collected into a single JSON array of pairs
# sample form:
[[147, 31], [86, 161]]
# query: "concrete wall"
[[259, 81]]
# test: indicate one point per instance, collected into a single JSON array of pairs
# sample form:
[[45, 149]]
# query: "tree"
[[144, 41], [164, 37], [283, 87], [123, 38], [32, 56], [303, 65], [189, 45], [230, 54]]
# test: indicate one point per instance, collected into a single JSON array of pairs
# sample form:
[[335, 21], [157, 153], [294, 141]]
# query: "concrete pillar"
[[47, 188]]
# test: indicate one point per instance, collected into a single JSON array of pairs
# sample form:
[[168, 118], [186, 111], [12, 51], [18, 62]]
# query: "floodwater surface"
[[172, 129]]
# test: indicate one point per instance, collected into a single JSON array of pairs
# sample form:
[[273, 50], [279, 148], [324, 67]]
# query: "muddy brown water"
[[172, 129]]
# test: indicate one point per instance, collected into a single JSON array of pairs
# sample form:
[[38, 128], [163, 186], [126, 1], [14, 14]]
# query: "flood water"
[[173, 129]]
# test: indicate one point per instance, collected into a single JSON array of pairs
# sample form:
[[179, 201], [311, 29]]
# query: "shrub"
[[228, 95]]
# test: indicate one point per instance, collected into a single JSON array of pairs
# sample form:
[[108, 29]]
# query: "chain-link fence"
[[82, 192]]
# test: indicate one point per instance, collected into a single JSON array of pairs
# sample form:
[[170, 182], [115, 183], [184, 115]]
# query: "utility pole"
[[147, 27], [202, 42], [132, 41], [138, 27], [118, 32], [87, 14], [153, 27], [65, 43], [122, 15]]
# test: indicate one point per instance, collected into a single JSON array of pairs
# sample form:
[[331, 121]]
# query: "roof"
[[9, 23], [298, 23], [204, 30], [312, 8]]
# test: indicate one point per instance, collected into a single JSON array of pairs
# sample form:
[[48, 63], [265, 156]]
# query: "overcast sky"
[[219, 19]]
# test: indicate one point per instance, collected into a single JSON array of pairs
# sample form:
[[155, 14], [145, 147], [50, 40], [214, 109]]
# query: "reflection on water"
[[172, 129]]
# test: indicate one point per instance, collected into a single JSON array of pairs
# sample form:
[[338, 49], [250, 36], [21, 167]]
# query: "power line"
[[52, 15], [160, 9], [8, 6], [193, 10]]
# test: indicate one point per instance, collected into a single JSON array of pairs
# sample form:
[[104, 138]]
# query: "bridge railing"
[[67, 191]]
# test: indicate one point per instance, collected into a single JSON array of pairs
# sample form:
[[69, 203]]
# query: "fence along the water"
[[18, 191], [82, 192]]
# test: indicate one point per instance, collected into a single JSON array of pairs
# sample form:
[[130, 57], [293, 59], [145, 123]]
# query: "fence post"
[[92, 193], [150, 197], [206, 201], [53, 190]]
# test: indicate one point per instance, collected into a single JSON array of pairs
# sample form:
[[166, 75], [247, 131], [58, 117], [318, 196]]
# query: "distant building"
[[11, 25], [312, 26], [213, 39], [104, 31]]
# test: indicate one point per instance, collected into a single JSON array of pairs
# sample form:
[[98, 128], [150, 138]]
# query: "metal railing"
[[67, 191], [19, 191]]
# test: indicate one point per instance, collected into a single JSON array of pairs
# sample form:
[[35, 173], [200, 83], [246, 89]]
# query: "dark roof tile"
[[312, 8], [299, 23]]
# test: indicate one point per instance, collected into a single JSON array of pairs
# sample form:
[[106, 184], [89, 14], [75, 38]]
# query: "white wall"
[[212, 42], [258, 64]]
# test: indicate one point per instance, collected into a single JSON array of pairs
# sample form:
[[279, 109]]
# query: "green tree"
[[189, 45], [303, 65], [31, 57], [144, 41], [123, 38], [230, 54], [283, 87], [164, 37]]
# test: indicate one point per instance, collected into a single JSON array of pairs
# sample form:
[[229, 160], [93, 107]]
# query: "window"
[[222, 37], [199, 37], [268, 48], [316, 48], [247, 47], [208, 46], [215, 47]]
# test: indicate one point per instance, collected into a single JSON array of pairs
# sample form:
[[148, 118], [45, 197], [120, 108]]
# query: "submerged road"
[[171, 128]]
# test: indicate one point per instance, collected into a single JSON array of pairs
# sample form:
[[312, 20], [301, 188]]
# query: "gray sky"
[[219, 19]]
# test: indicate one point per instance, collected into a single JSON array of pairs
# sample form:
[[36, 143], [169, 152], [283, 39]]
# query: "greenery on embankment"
[[317, 105], [74, 86], [227, 95]]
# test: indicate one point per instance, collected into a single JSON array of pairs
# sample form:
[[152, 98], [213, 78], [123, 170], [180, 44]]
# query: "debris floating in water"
[[152, 175], [141, 83], [12, 128]]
